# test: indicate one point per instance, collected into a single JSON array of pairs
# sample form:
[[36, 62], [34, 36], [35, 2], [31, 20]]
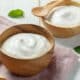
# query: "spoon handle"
[[75, 3], [52, 4], [67, 2]]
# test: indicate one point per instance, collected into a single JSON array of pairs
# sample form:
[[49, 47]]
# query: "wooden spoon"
[[43, 11]]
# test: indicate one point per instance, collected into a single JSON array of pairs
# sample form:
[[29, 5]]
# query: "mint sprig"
[[16, 13], [77, 49]]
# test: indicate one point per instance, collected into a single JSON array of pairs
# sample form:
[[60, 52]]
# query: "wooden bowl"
[[26, 67], [61, 32]]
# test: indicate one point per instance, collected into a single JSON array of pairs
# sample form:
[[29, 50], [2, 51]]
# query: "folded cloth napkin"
[[61, 67]]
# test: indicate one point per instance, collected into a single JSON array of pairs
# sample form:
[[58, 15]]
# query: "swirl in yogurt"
[[66, 16], [26, 46]]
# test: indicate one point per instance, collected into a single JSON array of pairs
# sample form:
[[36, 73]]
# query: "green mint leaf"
[[77, 49], [17, 13]]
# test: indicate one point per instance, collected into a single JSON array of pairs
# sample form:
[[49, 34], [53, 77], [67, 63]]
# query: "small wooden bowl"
[[26, 67], [61, 32]]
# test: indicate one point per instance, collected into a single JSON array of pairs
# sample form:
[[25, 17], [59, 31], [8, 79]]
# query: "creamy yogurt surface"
[[26, 46], [66, 16]]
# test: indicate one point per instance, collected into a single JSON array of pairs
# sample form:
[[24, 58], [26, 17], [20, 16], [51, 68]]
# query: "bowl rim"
[[52, 42]]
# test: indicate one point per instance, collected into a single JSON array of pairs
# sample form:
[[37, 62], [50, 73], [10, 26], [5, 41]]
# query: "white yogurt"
[[66, 16], [26, 46]]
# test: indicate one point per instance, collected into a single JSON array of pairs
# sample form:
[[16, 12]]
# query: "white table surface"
[[27, 5]]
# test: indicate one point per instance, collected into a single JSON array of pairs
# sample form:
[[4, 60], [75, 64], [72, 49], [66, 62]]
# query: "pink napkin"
[[62, 65]]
